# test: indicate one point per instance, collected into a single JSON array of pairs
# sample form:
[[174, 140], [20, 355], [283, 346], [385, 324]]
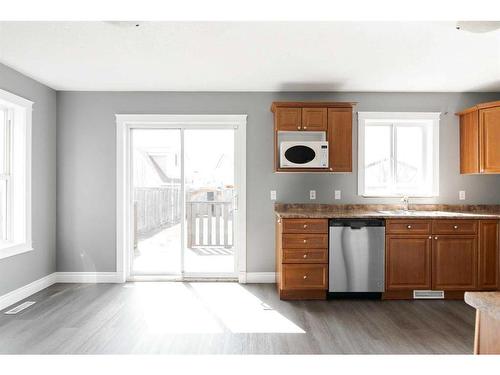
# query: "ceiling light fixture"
[[125, 24], [478, 26]]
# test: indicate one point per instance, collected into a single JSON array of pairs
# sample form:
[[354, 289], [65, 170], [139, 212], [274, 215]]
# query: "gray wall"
[[24, 268], [86, 163]]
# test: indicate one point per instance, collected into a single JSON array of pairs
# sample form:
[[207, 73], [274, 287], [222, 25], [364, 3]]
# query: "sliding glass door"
[[210, 195], [183, 201]]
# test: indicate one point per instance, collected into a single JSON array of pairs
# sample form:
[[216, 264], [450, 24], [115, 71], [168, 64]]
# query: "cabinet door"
[[340, 139], [288, 119], [488, 254], [314, 119], [454, 262], [408, 262], [469, 143], [489, 135]]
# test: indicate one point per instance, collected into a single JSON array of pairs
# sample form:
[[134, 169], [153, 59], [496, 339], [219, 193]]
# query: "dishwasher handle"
[[357, 223]]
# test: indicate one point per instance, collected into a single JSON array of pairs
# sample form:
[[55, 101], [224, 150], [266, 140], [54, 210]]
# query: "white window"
[[398, 154], [15, 174]]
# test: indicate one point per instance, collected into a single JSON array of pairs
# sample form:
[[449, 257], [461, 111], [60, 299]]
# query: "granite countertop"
[[487, 302], [385, 211]]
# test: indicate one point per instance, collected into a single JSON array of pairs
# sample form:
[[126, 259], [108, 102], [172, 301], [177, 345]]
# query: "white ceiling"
[[245, 56]]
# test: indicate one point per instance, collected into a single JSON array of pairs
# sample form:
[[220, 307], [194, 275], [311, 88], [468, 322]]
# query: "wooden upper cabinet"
[[454, 262], [334, 119], [408, 262], [489, 140], [340, 139], [488, 254], [469, 143], [288, 119], [480, 139], [314, 119]]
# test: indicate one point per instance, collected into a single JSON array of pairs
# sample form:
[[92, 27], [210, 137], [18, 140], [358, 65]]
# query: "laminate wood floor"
[[228, 318]]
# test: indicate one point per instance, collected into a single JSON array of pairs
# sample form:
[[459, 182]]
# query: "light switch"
[[273, 195], [338, 194], [461, 195], [312, 194]]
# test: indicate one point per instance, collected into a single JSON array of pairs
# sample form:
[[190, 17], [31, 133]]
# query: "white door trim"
[[124, 123]]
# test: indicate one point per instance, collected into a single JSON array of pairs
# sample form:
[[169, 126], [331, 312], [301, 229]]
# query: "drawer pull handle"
[[305, 256], [305, 241], [408, 226], [305, 226], [455, 227], [305, 277]]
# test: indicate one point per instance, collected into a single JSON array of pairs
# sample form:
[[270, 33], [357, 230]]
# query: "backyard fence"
[[209, 223], [156, 208]]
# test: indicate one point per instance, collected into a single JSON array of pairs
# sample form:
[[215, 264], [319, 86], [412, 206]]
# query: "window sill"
[[11, 249]]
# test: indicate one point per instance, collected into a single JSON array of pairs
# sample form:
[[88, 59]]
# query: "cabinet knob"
[[408, 226], [430, 237], [305, 226], [305, 241], [435, 238], [455, 227], [305, 256], [298, 127], [305, 127], [305, 277]]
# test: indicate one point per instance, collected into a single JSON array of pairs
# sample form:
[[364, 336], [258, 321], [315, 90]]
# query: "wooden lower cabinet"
[[454, 256], [302, 258], [408, 262], [421, 254], [454, 262], [488, 257]]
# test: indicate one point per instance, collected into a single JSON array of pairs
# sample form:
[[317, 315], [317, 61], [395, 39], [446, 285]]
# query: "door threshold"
[[178, 278]]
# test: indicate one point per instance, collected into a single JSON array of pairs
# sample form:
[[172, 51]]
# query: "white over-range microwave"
[[304, 154]]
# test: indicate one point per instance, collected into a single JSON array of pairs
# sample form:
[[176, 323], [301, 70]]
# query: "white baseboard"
[[260, 277], [25, 291], [89, 277], [101, 277]]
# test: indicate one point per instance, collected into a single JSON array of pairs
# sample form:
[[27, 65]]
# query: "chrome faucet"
[[406, 203]]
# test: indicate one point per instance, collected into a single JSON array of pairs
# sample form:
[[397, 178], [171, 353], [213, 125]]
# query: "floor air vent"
[[428, 294], [20, 307]]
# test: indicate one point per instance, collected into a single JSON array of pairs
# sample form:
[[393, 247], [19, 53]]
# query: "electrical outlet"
[[273, 195], [338, 194], [312, 194], [461, 195]]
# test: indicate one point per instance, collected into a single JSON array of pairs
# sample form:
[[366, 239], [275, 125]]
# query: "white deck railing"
[[209, 223]]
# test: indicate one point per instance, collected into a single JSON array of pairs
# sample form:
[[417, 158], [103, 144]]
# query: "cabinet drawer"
[[305, 256], [454, 226], [405, 226], [305, 226], [305, 241], [305, 276]]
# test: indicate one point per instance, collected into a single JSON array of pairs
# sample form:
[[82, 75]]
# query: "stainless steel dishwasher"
[[357, 249]]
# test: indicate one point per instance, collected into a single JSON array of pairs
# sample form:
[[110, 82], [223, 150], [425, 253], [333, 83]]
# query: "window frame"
[[428, 120], [19, 236]]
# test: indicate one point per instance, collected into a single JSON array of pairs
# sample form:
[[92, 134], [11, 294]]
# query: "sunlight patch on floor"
[[205, 307], [168, 307], [241, 311]]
